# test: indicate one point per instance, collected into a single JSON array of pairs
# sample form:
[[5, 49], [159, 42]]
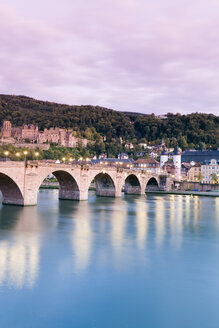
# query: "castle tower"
[[62, 137], [6, 129], [177, 163], [163, 158], [69, 138]]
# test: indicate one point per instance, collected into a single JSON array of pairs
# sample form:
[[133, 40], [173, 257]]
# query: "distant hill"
[[193, 130]]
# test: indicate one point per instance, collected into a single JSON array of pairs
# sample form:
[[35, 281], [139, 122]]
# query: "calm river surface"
[[140, 261]]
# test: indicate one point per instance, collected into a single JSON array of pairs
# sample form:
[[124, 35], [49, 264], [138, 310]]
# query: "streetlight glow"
[[6, 154]]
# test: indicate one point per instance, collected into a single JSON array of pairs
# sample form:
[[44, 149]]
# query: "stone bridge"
[[20, 181]]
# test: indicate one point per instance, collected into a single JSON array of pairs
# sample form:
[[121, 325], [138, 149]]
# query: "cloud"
[[125, 54]]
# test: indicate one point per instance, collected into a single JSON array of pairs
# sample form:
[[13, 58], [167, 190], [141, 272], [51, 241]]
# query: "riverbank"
[[56, 186], [49, 186], [171, 192], [189, 192]]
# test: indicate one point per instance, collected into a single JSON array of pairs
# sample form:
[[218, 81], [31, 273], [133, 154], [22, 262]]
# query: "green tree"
[[214, 177], [200, 130], [200, 176], [183, 143]]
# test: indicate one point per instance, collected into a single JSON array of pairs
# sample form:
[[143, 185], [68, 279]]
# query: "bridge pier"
[[118, 192], [30, 197], [105, 192], [83, 195], [12, 201], [68, 194], [132, 190]]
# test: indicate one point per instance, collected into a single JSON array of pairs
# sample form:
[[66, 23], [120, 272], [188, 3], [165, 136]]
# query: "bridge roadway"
[[20, 181]]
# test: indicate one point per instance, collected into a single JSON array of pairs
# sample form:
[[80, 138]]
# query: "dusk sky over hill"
[[129, 55]]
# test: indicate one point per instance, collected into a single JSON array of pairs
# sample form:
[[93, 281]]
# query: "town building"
[[123, 156], [129, 145], [169, 167], [103, 156], [143, 145], [185, 167], [140, 153], [191, 165], [113, 162], [194, 172], [210, 171], [162, 117], [199, 156], [171, 162], [147, 163], [153, 154]]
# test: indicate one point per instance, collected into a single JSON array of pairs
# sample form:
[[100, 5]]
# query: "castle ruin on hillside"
[[30, 133]]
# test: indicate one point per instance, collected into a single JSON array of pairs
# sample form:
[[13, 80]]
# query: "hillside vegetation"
[[189, 131]]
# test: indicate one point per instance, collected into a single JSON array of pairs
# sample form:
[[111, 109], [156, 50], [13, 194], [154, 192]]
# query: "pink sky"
[[130, 55]]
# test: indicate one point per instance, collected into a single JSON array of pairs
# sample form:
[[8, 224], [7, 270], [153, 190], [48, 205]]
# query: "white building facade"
[[163, 158], [210, 170], [177, 163]]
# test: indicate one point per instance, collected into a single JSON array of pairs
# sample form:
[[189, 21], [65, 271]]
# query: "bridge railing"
[[83, 165]]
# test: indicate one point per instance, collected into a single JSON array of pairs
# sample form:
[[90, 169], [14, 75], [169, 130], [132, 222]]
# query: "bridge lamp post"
[[25, 157], [17, 155], [37, 154], [6, 154], [63, 159]]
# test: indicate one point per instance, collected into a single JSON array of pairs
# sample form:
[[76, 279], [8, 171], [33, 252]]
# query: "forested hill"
[[193, 130]]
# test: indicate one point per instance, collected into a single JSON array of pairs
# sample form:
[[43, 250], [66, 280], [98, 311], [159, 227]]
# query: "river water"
[[140, 261]]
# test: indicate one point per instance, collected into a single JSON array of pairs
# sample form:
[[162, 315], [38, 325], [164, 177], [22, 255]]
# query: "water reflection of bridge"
[[131, 223], [20, 182], [96, 231], [19, 253]]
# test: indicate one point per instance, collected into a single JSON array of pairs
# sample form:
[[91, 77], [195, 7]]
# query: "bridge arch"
[[152, 184], [105, 185], [11, 192], [68, 186], [132, 185]]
